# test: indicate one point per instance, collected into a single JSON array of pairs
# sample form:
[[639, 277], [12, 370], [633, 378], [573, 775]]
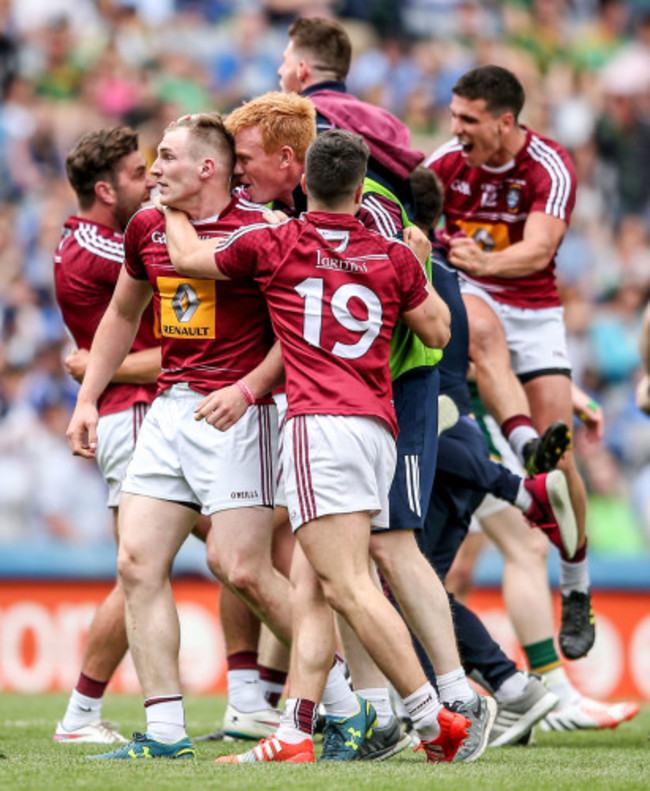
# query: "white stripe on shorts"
[[302, 471], [266, 455], [412, 468]]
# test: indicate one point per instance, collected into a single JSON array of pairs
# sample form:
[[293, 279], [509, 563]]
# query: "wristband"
[[246, 392]]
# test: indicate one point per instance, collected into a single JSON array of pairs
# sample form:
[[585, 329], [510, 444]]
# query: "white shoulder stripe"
[[249, 205], [241, 232], [445, 148], [559, 174], [87, 237], [382, 217]]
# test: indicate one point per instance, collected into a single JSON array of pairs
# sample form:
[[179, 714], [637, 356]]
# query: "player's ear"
[[287, 155], [105, 192], [208, 168], [507, 122]]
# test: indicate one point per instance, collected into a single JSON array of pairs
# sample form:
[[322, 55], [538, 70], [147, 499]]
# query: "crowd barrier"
[[43, 626]]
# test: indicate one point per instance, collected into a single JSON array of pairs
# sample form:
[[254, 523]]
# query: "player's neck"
[[510, 147], [207, 204], [101, 215]]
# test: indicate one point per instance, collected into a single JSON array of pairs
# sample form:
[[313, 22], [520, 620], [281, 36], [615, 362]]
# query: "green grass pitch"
[[596, 761]]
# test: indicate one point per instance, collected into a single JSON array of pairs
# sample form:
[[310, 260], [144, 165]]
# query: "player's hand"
[[465, 254], [418, 242], [275, 216], [222, 408], [643, 394], [82, 431], [589, 412], [75, 363]]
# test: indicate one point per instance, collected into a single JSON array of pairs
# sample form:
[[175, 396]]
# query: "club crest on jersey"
[[513, 196]]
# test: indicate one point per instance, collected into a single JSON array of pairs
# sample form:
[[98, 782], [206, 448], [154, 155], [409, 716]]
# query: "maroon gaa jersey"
[[491, 205], [87, 264], [335, 291], [212, 333]]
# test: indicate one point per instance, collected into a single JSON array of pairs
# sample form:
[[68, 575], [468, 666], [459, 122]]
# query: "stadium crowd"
[[70, 66]]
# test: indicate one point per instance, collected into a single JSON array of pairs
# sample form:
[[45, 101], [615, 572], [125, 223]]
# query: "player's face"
[[176, 171], [259, 172], [288, 71], [132, 187], [479, 132]]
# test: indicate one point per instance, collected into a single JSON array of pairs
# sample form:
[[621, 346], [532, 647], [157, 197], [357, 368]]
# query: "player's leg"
[[248, 714], [500, 389], [550, 399], [337, 547], [370, 684], [106, 641], [312, 652], [151, 533], [527, 597], [105, 647], [239, 553]]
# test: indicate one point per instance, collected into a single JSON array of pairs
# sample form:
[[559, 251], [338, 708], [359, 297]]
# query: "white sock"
[[512, 687], [245, 692], [523, 500], [453, 686], [557, 682], [574, 576], [165, 718], [423, 707], [289, 731], [338, 699], [518, 437], [81, 711], [380, 700]]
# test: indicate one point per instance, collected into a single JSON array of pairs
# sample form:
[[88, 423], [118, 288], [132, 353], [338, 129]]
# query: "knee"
[[244, 575], [486, 336], [130, 571], [214, 563]]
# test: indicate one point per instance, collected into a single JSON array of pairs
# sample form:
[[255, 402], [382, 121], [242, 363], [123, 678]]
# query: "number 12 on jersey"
[[312, 290]]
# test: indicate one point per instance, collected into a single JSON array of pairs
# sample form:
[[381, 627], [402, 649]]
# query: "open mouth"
[[468, 147]]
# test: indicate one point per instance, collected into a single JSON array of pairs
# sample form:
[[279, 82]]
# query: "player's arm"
[[138, 368], [223, 408], [111, 344], [643, 387], [191, 256], [430, 320], [542, 236], [419, 242], [589, 412]]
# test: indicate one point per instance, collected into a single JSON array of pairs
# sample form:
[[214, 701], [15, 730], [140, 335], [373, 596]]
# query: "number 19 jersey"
[[334, 291]]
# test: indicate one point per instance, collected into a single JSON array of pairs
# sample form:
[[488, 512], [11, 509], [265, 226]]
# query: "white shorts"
[[187, 461], [337, 464], [536, 336], [281, 405], [116, 436]]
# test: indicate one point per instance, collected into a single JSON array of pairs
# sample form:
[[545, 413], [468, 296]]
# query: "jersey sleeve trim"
[[558, 201], [87, 238]]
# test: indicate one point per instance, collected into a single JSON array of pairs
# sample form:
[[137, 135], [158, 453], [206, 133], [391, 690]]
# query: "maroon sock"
[[511, 423], [579, 556], [242, 660], [90, 687], [305, 716], [272, 676]]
